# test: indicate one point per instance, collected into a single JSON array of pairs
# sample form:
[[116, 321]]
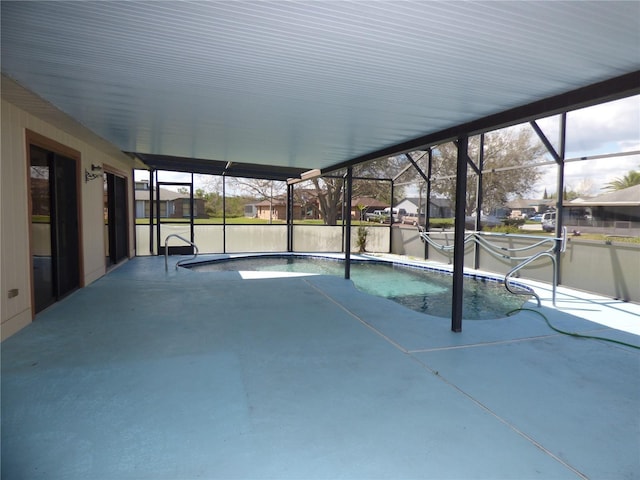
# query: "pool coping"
[[397, 260], [596, 308]]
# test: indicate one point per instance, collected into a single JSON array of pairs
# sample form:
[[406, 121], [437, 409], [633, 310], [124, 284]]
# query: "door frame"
[[107, 169], [178, 249], [38, 140]]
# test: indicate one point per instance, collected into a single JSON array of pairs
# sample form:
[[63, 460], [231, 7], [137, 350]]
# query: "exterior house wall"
[[408, 205], [438, 207], [182, 206], [610, 215], [15, 264], [163, 209], [310, 211], [279, 211], [178, 208], [360, 206], [250, 211], [440, 211]]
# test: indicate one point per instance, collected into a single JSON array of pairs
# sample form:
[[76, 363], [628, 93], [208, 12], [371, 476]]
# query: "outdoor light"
[[309, 174], [92, 176]]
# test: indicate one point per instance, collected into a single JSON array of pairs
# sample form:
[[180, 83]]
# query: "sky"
[[612, 127], [609, 128]]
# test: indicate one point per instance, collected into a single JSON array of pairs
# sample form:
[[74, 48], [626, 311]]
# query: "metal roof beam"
[[217, 167]]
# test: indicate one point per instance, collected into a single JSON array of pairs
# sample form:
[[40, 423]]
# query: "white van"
[[549, 221], [397, 213]]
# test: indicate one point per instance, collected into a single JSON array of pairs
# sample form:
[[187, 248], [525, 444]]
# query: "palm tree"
[[629, 180]]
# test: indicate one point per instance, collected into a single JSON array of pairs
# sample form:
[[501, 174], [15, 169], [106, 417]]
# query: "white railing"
[[514, 254], [166, 251]]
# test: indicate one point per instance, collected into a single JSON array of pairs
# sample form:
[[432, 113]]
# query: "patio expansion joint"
[[502, 420], [482, 344], [502, 342], [452, 385], [354, 315]]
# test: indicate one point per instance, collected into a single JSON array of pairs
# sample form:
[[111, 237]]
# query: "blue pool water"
[[425, 291]]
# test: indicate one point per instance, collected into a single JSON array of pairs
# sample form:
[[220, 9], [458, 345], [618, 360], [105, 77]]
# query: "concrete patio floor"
[[183, 375]]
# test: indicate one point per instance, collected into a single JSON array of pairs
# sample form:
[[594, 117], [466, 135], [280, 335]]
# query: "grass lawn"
[[248, 221], [435, 224], [605, 238], [212, 221], [598, 237]]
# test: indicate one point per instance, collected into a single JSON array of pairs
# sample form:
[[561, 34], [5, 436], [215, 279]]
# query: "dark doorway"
[[55, 244], [115, 215]]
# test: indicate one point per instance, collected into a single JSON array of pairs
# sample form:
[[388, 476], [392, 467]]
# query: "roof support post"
[[478, 171], [476, 256], [559, 204], [224, 213], [158, 240], [289, 217], [192, 204], [458, 241], [343, 201], [391, 219], [427, 179], [559, 157], [348, 189], [151, 172], [427, 202]]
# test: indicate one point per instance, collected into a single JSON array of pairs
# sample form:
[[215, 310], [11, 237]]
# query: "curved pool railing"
[[510, 288], [179, 262], [515, 254]]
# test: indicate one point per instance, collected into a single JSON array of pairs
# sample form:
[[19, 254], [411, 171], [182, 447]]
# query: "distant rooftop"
[[626, 197]]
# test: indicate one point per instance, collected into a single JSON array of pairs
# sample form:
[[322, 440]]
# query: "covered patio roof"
[[313, 85]]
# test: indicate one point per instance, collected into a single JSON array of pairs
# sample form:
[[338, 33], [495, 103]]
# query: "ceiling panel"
[[305, 84]]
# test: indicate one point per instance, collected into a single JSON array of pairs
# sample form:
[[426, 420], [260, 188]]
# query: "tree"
[[212, 201], [329, 192], [373, 182], [502, 149], [567, 195], [629, 180], [384, 168], [261, 189], [361, 209]]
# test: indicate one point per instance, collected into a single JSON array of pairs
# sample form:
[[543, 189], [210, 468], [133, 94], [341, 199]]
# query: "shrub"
[[362, 239], [514, 222], [440, 223], [502, 229]]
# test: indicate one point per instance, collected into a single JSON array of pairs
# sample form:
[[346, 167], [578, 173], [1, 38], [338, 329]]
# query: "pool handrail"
[[166, 251], [557, 244], [509, 287]]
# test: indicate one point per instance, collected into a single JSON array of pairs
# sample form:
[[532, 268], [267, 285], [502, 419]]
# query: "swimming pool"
[[423, 290]]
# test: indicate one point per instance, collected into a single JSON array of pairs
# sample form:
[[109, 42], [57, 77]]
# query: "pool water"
[[421, 290]]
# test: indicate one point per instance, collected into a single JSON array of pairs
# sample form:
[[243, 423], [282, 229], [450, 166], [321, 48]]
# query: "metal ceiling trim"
[[216, 167]]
